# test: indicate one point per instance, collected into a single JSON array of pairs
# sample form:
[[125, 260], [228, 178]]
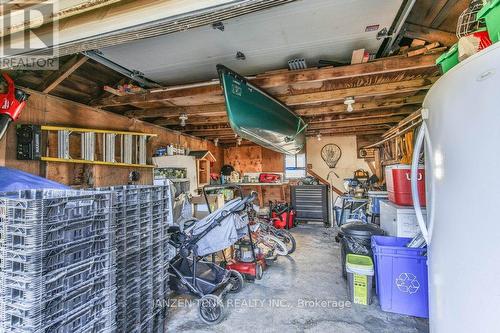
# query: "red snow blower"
[[12, 103]]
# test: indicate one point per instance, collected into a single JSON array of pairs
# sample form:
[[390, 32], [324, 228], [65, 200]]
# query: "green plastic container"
[[491, 14], [449, 59], [360, 278]]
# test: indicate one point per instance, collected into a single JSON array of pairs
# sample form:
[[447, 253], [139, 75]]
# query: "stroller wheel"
[[259, 271], [236, 279], [211, 309]]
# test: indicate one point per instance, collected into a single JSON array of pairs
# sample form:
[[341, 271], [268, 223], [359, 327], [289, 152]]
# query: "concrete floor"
[[283, 301]]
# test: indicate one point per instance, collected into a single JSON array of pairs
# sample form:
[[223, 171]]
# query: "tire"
[[278, 246], [287, 238], [259, 271], [211, 309], [237, 280]]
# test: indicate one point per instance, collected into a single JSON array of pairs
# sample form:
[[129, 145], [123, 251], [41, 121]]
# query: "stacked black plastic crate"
[[58, 255], [142, 215]]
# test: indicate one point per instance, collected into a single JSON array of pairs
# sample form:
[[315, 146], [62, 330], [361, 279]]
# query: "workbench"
[[263, 190]]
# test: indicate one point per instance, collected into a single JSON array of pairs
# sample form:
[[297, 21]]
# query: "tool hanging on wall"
[[12, 102]]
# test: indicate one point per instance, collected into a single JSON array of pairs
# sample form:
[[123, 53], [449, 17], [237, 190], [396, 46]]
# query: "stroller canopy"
[[231, 226]]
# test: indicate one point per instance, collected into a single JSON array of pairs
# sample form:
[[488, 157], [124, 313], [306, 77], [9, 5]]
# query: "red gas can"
[[399, 185], [291, 219]]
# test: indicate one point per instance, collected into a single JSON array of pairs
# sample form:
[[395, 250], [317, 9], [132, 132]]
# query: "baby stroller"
[[190, 271]]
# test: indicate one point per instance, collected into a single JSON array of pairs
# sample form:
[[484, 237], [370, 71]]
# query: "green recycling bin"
[[360, 278], [449, 59], [491, 15]]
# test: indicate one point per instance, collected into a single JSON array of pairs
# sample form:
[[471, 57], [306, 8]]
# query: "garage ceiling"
[[313, 29]]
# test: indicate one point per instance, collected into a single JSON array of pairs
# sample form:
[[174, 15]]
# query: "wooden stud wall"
[[43, 109]]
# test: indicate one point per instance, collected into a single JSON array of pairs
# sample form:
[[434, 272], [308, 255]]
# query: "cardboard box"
[[200, 208], [360, 56]]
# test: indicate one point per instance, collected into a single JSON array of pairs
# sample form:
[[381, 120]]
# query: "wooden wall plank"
[[48, 110]]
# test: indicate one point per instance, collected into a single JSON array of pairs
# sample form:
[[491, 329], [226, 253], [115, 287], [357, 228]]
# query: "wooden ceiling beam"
[[355, 123], [223, 120], [362, 107], [170, 94], [385, 89], [368, 131], [62, 73], [211, 93], [360, 116], [228, 135], [205, 110], [226, 129], [192, 121], [378, 67]]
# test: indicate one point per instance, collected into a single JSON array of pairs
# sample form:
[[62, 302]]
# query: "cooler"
[[399, 221], [399, 185]]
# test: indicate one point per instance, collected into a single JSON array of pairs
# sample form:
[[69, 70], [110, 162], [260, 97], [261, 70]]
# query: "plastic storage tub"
[[399, 184], [401, 276], [359, 276], [449, 59], [491, 14]]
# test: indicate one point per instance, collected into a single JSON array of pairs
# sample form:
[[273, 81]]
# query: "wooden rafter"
[[210, 92], [379, 67], [430, 34], [205, 110], [192, 121], [325, 118], [224, 128], [228, 135], [363, 106], [355, 123], [356, 116], [62, 73], [385, 89]]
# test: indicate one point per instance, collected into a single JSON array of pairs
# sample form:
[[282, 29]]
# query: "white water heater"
[[461, 135]]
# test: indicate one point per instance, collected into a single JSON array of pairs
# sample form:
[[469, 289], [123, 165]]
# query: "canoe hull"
[[258, 117]]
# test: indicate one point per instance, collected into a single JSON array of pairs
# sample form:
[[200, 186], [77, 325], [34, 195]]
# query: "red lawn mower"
[[12, 102]]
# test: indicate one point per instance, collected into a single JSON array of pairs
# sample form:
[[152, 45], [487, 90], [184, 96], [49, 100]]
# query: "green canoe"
[[256, 116]]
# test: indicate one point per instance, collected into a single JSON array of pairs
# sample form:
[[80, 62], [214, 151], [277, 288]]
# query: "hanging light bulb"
[[183, 117], [238, 140], [349, 101], [216, 142], [318, 136]]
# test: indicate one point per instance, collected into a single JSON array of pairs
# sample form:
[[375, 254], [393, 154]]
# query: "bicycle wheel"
[[276, 244], [287, 238]]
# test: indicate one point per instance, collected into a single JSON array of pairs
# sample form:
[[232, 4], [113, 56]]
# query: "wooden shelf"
[[62, 160]]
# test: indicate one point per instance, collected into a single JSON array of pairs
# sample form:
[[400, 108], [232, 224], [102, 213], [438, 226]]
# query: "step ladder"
[[99, 146]]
